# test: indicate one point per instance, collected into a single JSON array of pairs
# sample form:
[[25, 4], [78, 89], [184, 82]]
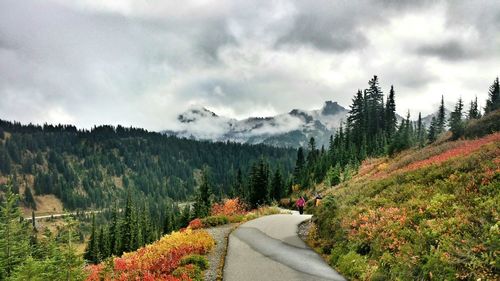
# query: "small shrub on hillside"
[[195, 224], [353, 265], [188, 272], [197, 260], [490, 123], [229, 207], [215, 220], [266, 211]]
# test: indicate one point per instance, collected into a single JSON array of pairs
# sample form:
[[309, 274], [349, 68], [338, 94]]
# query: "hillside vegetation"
[[91, 169], [425, 214]]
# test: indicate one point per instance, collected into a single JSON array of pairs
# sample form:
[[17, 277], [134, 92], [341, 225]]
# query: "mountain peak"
[[331, 108], [194, 114]]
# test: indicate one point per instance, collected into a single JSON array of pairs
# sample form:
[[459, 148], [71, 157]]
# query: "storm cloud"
[[141, 63]]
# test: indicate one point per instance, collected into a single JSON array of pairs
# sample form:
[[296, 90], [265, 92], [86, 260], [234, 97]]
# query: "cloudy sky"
[[140, 63]]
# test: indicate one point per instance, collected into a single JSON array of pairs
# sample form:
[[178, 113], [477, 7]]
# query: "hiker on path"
[[300, 204]]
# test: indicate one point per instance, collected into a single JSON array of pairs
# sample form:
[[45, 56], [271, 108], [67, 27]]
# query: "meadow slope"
[[426, 214]]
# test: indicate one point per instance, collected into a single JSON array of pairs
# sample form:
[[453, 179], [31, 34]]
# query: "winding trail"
[[268, 248]]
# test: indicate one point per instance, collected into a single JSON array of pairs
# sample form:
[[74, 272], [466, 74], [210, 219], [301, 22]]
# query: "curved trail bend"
[[269, 248]]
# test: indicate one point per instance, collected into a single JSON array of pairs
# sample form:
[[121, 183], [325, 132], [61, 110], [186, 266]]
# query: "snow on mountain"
[[291, 129]]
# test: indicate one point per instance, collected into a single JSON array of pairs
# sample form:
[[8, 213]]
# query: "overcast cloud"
[[141, 63]]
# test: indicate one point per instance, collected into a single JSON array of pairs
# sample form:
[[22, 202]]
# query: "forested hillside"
[[92, 168]]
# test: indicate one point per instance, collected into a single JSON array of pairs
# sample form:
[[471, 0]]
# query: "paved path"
[[269, 248]]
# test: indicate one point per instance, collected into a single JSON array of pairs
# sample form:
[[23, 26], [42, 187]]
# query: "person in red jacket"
[[300, 204]]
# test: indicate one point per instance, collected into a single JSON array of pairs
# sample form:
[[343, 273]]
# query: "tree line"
[[90, 168], [372, 129]]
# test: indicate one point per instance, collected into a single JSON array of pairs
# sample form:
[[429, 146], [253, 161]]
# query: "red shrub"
[[196, 224], [463, 150]]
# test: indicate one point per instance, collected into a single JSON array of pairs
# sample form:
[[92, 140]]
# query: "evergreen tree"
[[259, 183], [238, 185], [441, 118], [114, 233], [457, 125], [14, 235], [68, 264], [202, 204], [168, 221], [185, 216], [493, 101], [299, 166], [356, 118], [375, 111], [92, 250], [128, 227], [313, 152], [474, 112], [29, 199], [420, 131], [433, 130], [104, 243], [390, 114], [333, 175], [5, 161], [277, 185]]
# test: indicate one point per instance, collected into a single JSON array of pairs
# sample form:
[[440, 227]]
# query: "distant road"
[[181, 205], [269, 248], [62, 215]]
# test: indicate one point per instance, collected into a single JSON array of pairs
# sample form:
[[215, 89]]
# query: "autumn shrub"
[[156, 261], [188, 272], [212, 221], [432, 222], [198, 260], [195, 224], [229, 207]]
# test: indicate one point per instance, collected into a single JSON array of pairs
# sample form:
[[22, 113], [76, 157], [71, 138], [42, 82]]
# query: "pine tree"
[[277, 185], [104, 243], [185, 216], [299, 166], [259, 183], [375, 113], [5, 161], [128, 227], [202, 204], [168, 221], [441, 118], [493, 101], [474, 112], [390, 114], [68, 264], [92, 250], [29, 199], [433, 130], [356, 118], [114, 233], [238, 185], [14, 235], [457, 125], [420, 131]]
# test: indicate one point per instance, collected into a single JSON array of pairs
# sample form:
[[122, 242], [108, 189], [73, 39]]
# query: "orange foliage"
[[381, 225], [467, 148], [229, 207], [195, 224], [156, 261]]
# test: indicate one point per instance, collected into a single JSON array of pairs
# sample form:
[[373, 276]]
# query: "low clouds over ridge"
[[142, 63]]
